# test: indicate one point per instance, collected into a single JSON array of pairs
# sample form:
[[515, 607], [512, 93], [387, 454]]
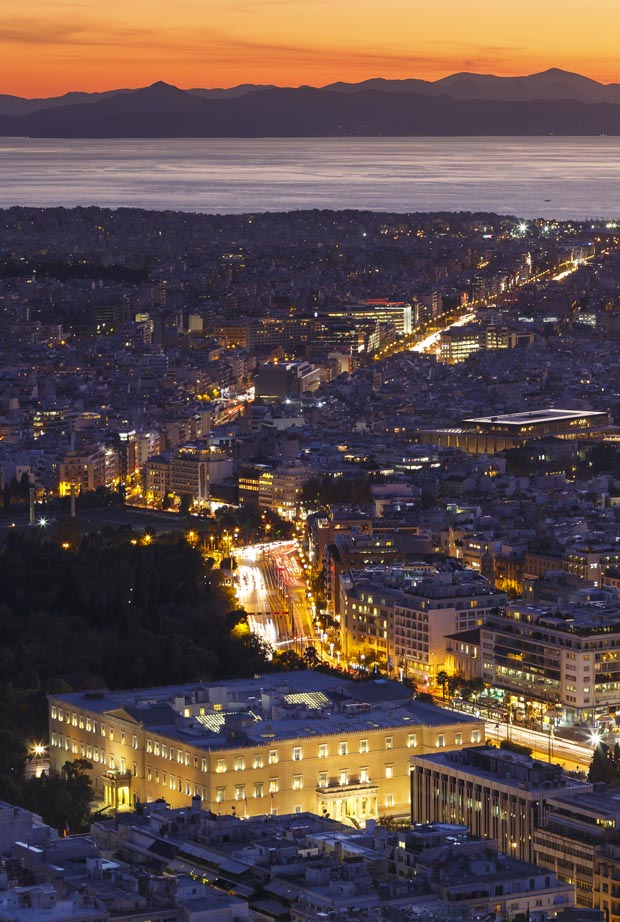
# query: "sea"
[[549, 177]]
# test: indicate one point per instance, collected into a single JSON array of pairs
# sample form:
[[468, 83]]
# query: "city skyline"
[[92, 48]]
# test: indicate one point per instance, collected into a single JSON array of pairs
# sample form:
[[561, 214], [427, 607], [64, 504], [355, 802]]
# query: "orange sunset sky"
[[48, 47]]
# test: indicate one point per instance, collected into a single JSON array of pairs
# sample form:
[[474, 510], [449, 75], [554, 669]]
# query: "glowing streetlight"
[[596, 738]]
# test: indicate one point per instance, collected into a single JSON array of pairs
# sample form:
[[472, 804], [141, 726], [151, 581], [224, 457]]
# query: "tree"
[[288, 660], [442, 681], [605, 764], [310, 657], [64, 799], [454, 683]]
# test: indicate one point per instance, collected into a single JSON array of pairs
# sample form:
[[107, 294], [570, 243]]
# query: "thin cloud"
[[54, 33]]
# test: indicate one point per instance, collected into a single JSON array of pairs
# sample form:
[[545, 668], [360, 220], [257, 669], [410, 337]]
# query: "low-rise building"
[[276, 744]]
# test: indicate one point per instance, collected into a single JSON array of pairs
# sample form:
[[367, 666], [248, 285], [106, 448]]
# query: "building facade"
[[402, 615], [278, 744], [500, 795], [569, 658]]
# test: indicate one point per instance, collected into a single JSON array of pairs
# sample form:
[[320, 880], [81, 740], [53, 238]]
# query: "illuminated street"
[[546, 747], [270, 586], [426, 344]]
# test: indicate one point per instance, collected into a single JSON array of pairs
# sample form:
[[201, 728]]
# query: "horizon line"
[[519, 76]]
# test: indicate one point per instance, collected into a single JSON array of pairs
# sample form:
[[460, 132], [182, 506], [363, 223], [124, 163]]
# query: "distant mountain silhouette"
[[17, 105], [463, 104]]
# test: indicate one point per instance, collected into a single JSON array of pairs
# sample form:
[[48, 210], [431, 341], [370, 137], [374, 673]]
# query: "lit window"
[[343, 749], [297, 754], [273, 756], [363, 745], [389, 771], [389, 742], [344, 776], [239, 763], [297, 782], [323, 751], [220, 795], [322, 779], [412, 740], [240, 792], [220, 766], [273, 785], [258, 789], [258, 762]]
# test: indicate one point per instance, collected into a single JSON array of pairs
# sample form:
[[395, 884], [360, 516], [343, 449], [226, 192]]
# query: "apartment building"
[[402, 615], [282, 743], [580, 842], [569, 658], [193, 470]]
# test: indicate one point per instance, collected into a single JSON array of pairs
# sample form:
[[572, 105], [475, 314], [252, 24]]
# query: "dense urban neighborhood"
[[309, 567]]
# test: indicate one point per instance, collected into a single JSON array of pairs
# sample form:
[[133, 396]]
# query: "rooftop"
[[534, 416], [255, 712]]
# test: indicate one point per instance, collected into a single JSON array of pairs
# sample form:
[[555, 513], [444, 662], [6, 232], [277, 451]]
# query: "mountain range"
[[551, 102]]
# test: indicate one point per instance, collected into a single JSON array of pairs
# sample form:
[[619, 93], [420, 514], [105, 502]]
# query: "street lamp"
[[596, 738], [551, 729]]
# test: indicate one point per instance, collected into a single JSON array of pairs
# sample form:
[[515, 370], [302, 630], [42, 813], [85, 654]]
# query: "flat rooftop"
[[307, 704], [535, 416]]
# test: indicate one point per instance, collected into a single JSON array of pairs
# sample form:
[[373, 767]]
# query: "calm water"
[[530, 177]]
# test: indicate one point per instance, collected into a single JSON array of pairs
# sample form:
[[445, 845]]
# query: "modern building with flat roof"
[[569, 658], [500, 795], [490, 434], [580, 841]]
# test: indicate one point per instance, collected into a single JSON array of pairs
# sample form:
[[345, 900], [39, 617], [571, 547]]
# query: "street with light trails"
[[546, 746], [270, 586]]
